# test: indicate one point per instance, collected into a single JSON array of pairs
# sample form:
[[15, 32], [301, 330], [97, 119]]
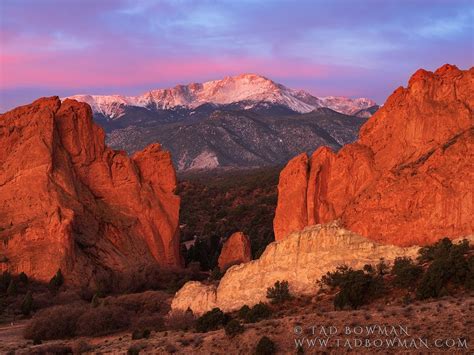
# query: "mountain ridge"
[[249, 89]]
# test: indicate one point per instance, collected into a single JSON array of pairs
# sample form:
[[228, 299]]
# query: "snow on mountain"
[[249, 88]]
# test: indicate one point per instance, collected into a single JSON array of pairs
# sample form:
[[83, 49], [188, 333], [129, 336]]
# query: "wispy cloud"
[[362, 48]]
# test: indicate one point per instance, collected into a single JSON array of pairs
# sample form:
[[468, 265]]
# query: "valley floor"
[[436, 326]]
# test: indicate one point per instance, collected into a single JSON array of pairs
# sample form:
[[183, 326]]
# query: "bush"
[[265, 346], [243, 311], [102, 320], [279, 293], [141, 334], [216, 274], [441, 249], [57, 349], [133, 350], [56, 281], [211, 320], [432, 283], [152, 321], [382, 268], [57, 322], [12, 288], [356, 287], [233, 328], [469, 283], [27, 304], [406, 272], [258, 312], [448, 265], [179, 320], [23, 278], [5, 280], [149, 302]]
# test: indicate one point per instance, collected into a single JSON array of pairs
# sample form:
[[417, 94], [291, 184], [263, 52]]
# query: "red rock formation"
[[236, 250], [407, 180], [67, 201]]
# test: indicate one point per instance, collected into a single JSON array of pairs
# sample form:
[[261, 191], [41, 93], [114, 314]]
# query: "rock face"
[[301, 259], [236, 250], [67, 201], [409, 178]]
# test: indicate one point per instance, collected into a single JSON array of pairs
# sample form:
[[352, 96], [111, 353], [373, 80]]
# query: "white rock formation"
[[301, 259]]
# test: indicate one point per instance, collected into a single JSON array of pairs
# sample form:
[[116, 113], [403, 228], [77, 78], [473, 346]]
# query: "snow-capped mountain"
[[247, 90]]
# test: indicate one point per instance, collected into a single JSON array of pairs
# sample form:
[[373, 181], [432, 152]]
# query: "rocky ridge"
[[302, 259], [68, 202], [407, 180], [249, 89]]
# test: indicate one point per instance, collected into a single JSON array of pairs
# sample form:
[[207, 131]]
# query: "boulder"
[[236, 250]]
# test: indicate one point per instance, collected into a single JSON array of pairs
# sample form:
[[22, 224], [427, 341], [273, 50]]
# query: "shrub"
[[179, 320], [27, 304], [382, 268], [448, 265], [433, 283], [469, 283], [150, 302], [406, 272], [356, 287], [216, 274], [258, 312], [133, 350], [12, 288], [56, 322], [211, 320], [5, 280], [57, 349], [102, 320], [141, 334], [233, 328], [243, 311], [23, 278], [265, 346], [152, 321], [279, 293], [56, 281]]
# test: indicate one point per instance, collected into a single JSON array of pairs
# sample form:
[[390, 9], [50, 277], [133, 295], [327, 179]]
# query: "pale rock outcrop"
[[236, 250], [69, 202], [409, 178], [301, 259]]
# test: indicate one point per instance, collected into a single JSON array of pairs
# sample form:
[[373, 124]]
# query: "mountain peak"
[[248, 88]]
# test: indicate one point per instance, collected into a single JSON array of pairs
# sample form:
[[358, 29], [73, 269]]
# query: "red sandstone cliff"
[[67, 201], [409, 179]]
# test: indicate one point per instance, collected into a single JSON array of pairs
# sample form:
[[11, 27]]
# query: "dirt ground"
[[436, 326]]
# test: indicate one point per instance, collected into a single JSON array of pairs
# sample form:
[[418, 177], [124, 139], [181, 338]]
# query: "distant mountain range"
[[242, 121]]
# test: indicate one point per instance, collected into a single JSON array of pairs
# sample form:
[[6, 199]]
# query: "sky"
[[327, 47]]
